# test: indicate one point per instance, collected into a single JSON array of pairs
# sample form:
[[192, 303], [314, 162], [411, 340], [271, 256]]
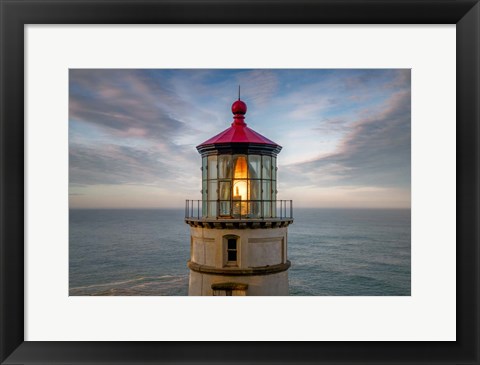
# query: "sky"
[[346, 134]]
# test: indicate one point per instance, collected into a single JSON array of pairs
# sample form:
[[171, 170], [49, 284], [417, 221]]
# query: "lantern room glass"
[[239, 186]]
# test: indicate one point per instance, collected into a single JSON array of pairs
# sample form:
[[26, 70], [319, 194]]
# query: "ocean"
[[346, 252]]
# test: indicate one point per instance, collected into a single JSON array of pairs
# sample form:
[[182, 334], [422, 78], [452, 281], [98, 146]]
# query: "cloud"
[[131, 127], [333, 125], [376, 152], [259, 85], [111, 164], [128, 103], [117, 165], [341, 92]]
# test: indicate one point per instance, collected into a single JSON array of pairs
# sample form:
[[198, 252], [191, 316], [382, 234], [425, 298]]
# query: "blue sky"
[[346, 134]]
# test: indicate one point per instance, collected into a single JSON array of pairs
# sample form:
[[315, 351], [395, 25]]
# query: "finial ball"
[[239, 107]]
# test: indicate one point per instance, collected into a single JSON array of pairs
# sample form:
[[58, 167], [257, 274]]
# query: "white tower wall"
[[261, 260]]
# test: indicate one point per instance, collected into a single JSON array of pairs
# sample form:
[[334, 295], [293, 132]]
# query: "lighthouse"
[[238, 230]]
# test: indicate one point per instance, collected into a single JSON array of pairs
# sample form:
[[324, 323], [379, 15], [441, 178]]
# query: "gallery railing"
[[238, 209]]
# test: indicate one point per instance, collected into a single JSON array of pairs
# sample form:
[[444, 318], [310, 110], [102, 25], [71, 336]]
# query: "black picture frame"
[[15, 14]]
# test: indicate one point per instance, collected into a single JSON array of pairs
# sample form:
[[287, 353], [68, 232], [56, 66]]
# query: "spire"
[[239, 108]]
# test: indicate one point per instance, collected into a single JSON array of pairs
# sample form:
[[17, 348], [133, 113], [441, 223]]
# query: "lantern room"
[[239, 230], [239, 172]]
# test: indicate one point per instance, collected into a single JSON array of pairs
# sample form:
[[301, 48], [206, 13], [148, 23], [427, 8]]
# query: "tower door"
[[229, 289]]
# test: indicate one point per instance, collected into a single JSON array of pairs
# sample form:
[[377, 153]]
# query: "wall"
[[256, 247], [260, 247]]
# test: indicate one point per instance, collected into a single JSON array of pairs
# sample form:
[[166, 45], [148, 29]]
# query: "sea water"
[[333, 252]]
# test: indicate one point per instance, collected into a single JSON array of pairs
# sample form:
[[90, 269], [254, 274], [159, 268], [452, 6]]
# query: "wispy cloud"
[[375, 152], [127, 103], [259, 85]]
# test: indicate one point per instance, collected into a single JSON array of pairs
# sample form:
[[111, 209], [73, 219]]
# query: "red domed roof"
[[238, 134], [238, 131]]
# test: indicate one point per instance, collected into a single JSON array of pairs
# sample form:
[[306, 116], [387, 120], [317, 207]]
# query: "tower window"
[[232, 250]]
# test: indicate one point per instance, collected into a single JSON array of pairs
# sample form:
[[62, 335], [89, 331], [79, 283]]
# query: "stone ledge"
[[228, 271]]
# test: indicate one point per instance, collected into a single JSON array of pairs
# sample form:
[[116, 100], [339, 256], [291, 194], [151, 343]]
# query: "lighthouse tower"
[[238, 231]]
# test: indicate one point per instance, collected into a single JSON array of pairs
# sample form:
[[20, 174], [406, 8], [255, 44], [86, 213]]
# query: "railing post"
[[291, 209]]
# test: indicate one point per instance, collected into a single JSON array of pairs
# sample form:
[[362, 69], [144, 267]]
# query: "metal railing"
[[238, 209]]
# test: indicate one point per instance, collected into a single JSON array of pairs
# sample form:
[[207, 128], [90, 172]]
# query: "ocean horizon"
[[333, 251]]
